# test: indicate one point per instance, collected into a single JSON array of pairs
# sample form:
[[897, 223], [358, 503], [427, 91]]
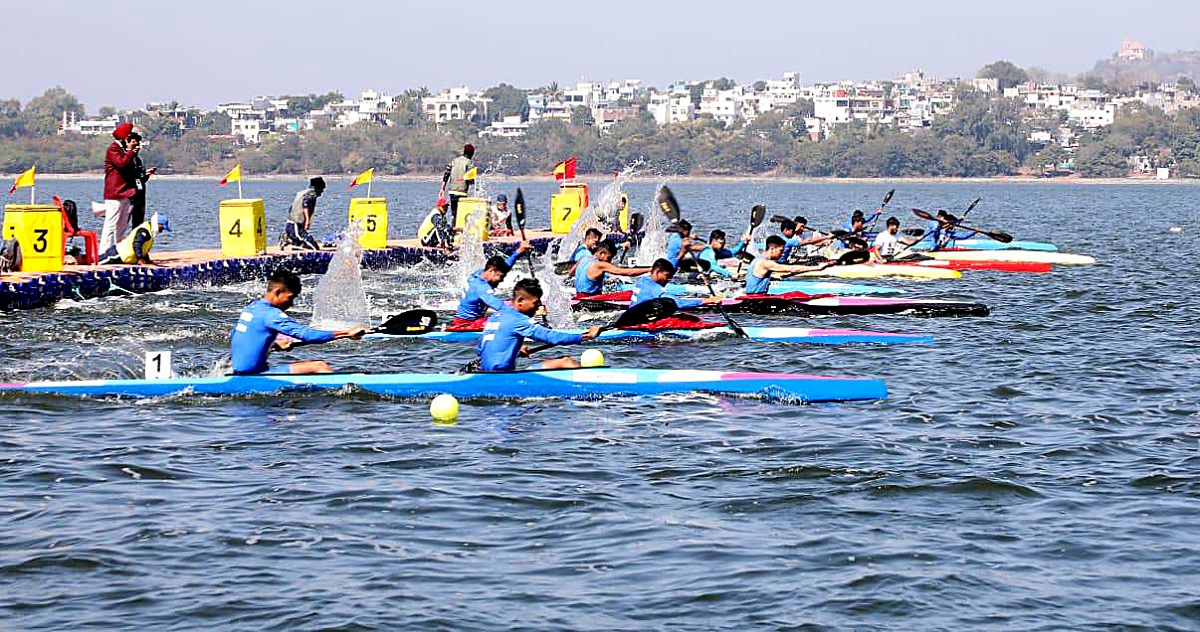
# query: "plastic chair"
[[91, 243]]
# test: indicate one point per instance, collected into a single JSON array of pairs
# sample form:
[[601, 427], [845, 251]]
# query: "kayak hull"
[[994, 266], [783, 287], [566, 383], [797, 335], [825, 306], [872, 271], [1027, 256], [992, 244]]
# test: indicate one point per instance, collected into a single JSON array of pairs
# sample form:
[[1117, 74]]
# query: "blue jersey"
[[790, 244], [849, 225], [256, 329], [581, 251], [480, 295], [755, 284], [645, 289], [585, 284], [674, 248], [711, 255], [504, 334]]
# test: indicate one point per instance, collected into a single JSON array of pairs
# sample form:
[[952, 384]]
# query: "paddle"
[[639, 314], [519, 212], [414, 322], [670, 206], [969, 208], [635, 227], [757, 213], [853, 257], [886, 198], [998, 235]]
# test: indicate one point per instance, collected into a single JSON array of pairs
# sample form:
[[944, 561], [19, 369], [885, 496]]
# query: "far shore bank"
[[435, 178]]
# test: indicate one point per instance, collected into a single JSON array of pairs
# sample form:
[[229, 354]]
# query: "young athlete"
[[887, 243], [481, 291], [716, 250], [591, 271], [758, 277], [653, 285], [505, 332]]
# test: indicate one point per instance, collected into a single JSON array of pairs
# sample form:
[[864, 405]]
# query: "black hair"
[[593, 231], [284, 278], [662, 265], [800, 219], [716, 234], [528, 286], [317, 183], [685, 226], [775, 240], [134, 136], [607, 245], [857, 214], [892, 221], [787, 224], [498, 263]]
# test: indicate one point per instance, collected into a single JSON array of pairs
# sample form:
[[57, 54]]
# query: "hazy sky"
[[127, 52]]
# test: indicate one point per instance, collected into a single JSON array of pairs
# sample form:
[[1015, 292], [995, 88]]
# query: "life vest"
[[125, 246]]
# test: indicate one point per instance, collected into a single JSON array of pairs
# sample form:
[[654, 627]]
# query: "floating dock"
[[187, 268]]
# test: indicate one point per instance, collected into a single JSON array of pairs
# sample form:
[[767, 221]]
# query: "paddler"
[[505, 332], [715, 250], [254, 335], [887, 243], [135, 248], [591, 271], [653, 285], [758, 277], [857, 216], [680, 241], [481, 291], [793, 244], [591, 237]]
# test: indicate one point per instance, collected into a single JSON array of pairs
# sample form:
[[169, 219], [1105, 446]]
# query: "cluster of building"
[[911, 101]]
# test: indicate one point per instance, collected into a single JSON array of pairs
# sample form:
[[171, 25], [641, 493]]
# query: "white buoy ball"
[[592, 357], [444, 407], [1177, 229]]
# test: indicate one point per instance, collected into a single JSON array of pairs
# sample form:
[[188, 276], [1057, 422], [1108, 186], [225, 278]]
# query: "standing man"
[[300, 217], [137, 210], [455, 184], [118, 187]]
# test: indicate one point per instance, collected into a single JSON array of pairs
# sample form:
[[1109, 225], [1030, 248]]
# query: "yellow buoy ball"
[[444, 407], [592, 357]]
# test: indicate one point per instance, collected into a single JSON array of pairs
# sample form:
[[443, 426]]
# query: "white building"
[[669, 108], [509, 127], [88, 127], [455, 104], [723, 105]]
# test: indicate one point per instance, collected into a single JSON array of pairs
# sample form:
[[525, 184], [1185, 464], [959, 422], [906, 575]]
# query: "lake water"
[[1035, 469]]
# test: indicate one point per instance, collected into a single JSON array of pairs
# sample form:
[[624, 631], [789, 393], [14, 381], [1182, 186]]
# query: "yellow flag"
[[364, 177], [234, 175], [24, 180], [472, 174]]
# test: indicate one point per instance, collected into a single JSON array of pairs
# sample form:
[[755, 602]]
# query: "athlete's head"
[[282, 289], [527, 296], [495, 270]]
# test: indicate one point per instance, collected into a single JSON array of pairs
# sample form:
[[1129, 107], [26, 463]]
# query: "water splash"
[[470, 251], [654, 237], [340, 300], [554, 296], [601, 213]]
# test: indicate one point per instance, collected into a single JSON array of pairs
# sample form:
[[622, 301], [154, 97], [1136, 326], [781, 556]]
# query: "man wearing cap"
[[433, 231], [455, 184], [119, 187], [135, 249], [501, 217], [300, 217]]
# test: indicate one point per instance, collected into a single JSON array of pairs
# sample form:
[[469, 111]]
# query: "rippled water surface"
[[1035, 469]]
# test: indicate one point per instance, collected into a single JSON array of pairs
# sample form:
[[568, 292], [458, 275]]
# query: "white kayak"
[[1023, 256]]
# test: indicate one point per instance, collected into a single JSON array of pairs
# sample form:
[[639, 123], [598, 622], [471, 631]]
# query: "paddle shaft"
[[737, 329]]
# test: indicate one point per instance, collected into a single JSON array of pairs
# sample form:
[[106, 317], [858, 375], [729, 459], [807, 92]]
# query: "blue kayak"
[[802, 335], [992, 244], [782, 287], [562, 383]]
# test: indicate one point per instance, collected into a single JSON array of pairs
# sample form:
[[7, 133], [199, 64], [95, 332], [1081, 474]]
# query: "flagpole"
[[240, 187], [32, 188], [369, 184]]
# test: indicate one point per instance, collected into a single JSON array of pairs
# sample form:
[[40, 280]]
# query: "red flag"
[[565, 170]]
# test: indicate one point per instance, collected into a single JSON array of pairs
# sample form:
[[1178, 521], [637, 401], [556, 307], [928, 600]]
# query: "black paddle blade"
[[779, 219], [1000, 236], [411, 323], [646, 312], [756, 216], [887, 198], [668, 204], [562, 267], [971, 206], [854, 257], [636, 220], [923, 215], [519, 208], [913, 232]]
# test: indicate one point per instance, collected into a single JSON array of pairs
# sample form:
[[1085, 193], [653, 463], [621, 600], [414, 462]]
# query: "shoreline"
[[685, 178]]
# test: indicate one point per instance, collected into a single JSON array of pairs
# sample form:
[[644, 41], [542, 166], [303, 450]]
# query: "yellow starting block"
[[372, 213], [38, 228], [566, 205], [472, 215], [243, 228]]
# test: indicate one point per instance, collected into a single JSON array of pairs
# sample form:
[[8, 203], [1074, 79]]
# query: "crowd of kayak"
[[753, 277]]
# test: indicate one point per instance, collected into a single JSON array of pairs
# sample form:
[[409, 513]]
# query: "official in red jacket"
[[119, 187]]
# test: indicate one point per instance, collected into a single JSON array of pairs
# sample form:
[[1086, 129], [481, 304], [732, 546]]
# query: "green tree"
[[12, 124], [1007, 73], [43, 113], [581, 116], [507, 101]]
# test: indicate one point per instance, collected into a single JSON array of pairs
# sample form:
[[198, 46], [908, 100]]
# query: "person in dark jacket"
[[118, 187], [137, 210], [455, 183], [300, 216]]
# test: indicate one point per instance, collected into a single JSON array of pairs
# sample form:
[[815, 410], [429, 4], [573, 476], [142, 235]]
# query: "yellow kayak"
[[1023, 256], [873, 271]]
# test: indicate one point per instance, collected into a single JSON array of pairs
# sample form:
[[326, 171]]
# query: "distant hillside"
[[1156, 68]]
